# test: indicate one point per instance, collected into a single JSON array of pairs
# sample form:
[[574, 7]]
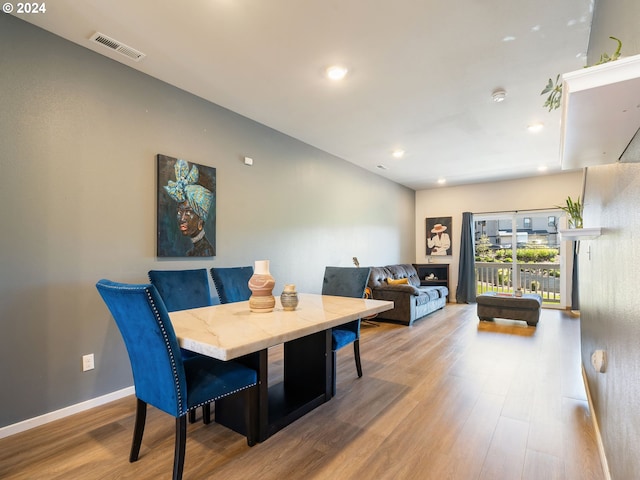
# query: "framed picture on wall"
[[186, 218], [439, 236]]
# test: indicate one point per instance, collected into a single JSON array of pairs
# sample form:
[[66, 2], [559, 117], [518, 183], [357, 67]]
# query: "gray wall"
[[609, 301], [78, 139], [610, 310]]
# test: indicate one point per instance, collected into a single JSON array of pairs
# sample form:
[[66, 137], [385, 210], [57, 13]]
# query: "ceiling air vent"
[[117, 46]]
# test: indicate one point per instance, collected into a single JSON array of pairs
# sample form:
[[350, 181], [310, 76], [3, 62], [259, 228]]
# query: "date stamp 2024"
[[21, 8]]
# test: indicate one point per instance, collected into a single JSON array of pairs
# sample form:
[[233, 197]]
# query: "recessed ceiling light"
[[535, 127], [442, 181], [336, 72], [498, 95], [543, 168], [508, 38], [399, 153]]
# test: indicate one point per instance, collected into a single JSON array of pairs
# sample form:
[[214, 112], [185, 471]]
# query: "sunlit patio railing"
[[540, 278]]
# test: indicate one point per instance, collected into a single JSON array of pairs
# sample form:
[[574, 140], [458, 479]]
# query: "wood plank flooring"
[[449, 398]]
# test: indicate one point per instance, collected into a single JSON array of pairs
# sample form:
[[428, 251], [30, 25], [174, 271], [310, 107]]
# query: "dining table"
[[232, 331]]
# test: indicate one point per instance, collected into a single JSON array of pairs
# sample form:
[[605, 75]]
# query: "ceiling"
[[421, 73]]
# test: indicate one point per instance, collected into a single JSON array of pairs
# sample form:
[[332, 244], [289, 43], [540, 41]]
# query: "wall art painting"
[[439, 236], [186, 220]]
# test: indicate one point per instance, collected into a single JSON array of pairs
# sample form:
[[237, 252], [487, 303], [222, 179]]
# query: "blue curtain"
[[575, 298], [466, 290]]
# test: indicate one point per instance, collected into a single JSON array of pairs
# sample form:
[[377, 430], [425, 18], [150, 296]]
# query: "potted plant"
[[574, 210]]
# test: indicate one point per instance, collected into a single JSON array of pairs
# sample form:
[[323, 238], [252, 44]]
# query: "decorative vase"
[[289, 297], [575, 222], [261, 285]]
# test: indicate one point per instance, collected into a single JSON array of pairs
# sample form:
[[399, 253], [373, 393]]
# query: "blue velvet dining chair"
[[181, 290], [160, 375], [232, 283], [345, 282]]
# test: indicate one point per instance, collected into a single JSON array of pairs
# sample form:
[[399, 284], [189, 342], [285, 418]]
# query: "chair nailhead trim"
[[174, 369], [221, 396]]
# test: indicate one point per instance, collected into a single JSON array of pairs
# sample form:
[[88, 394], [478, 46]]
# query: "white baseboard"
[[64, 412], [603, 456]]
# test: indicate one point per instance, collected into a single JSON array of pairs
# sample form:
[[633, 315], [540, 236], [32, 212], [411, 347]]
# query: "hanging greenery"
[[555, 94], [604, 58], [554, 89]]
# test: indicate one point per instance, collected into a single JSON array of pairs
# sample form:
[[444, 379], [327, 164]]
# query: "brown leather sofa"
[[411, 300]]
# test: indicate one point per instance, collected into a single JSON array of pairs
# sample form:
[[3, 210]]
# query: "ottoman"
[[526, 307]]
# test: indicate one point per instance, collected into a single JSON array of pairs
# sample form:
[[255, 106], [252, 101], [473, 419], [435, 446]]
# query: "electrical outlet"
[[87, 362], [599, 361]]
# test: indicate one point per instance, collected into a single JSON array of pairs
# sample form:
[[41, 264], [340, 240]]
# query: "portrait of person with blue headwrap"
[[191, 189]]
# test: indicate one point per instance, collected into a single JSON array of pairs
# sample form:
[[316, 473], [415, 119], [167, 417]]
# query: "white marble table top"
[[231, 330]]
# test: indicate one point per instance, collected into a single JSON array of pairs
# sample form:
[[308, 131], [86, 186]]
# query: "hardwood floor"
[[449, 398]]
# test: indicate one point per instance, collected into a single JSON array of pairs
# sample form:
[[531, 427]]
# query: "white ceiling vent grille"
[[117, 46]]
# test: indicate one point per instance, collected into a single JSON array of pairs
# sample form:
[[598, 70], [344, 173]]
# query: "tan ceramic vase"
[[261, 285], [289, 297]]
